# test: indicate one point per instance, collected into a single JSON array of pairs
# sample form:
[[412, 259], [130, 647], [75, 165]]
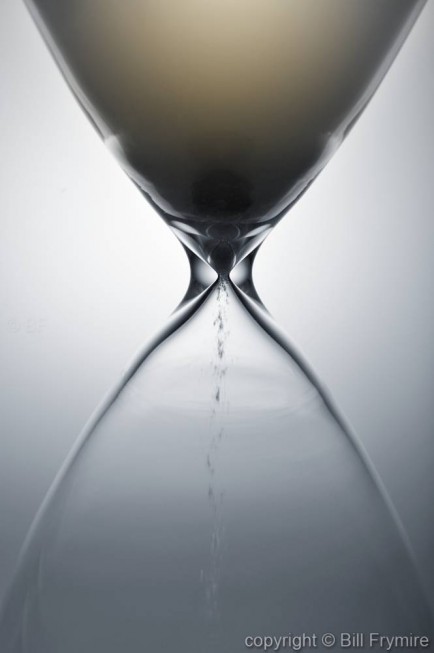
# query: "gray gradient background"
[[88, 273]]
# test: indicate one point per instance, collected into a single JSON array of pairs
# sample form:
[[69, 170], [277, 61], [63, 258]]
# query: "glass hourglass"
[[217, 494]]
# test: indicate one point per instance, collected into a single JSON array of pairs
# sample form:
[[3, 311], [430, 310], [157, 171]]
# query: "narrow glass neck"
[[202, 277]]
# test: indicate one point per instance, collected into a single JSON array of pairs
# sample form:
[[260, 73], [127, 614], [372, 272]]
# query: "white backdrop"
[[88, 272]]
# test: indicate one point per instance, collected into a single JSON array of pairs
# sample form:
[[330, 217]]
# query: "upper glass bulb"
[[224, 111]]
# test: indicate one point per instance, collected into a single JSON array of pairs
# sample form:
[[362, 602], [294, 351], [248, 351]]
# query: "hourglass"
[[217, 494]]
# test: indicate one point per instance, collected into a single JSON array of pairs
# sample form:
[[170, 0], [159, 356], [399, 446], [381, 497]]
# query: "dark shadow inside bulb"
[[221, 194]]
